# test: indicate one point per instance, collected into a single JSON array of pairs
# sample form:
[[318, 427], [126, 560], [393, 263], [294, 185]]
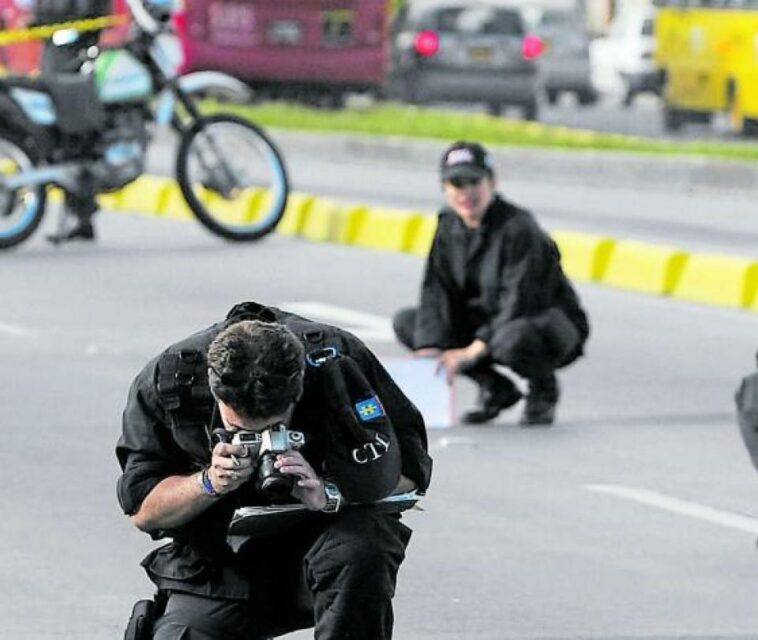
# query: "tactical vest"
[[358, 441], [182, 373]]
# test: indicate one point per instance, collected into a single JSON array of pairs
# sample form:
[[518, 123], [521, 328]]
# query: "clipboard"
[[428, 390]]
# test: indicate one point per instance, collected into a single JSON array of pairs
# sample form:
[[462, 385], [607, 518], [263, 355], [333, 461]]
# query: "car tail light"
[[532, 48], [181, 24], [426, 43]]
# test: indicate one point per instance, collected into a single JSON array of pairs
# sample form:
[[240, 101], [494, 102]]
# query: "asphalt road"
[[635, 517]]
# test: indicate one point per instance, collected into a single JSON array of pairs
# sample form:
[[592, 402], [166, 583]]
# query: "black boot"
[[496, 393], [541, 402], [80, 231], [82, 208]]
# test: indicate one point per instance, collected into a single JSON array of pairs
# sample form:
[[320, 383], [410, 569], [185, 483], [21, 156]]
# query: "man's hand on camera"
[[308, 487], [230, 467]]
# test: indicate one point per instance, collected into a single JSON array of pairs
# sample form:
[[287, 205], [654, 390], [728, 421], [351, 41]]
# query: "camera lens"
[[272, 484]]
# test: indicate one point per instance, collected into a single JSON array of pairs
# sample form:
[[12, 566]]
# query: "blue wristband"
[[207, 485]]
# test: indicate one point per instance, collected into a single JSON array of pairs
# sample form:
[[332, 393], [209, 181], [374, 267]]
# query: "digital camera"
[[264, 447]]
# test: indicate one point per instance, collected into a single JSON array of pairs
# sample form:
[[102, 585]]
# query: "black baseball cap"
[[465, 160]]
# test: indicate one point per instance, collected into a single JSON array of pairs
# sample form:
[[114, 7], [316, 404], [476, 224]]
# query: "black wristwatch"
[[333, 498]]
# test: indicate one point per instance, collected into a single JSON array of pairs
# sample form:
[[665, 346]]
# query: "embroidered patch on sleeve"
[[370, 409]]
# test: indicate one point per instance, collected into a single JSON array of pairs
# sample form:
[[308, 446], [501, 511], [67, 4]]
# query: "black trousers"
[[533, 347], [338, 576], [65, 59]]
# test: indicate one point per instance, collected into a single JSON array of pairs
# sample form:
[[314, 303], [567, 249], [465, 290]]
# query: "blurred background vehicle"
[[565, 64], [622, 61], [315, 51], [469, 52], [708, 54]]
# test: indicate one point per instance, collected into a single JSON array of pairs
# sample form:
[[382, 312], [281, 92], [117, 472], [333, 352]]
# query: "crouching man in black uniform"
[[257, 373], [494, 293]]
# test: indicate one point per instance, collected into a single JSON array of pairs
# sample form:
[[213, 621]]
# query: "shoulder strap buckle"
[[318, 357]]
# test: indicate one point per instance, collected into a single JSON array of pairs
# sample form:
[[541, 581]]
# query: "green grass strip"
[[420, 122]]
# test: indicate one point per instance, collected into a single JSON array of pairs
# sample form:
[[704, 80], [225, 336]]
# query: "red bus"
[[23, 57], [302, 49]]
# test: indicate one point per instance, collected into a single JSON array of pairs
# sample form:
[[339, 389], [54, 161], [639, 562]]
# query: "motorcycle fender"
[[216, 83]]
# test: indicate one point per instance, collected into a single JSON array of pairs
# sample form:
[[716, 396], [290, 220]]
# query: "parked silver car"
[[472, 52], [565, 64]]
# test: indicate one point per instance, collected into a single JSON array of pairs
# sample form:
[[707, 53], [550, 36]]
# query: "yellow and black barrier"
[[725, 281], [45, 32]]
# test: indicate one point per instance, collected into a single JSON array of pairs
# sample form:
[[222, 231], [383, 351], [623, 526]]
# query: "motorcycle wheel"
[[232, 177], [21, 210]]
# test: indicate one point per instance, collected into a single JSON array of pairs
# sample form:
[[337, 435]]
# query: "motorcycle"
[[89, 131]]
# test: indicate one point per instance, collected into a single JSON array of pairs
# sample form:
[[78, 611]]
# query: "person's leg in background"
[[534, 348], [496, 391], [82, 205]]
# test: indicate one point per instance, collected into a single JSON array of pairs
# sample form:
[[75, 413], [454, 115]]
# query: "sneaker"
[[541, 402], [491, 402], [82, 231]]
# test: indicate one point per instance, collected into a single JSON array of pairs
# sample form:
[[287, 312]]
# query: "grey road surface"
[[635, 517]]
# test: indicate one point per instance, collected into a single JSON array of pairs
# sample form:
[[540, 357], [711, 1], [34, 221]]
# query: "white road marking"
[[14, 330], [367, 326], [680, 507]]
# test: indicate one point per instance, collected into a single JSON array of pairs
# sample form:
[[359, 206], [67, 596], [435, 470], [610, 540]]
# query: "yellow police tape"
[[16, 36]]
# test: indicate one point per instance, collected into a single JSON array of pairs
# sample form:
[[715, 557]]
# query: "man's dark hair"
[[256, 368]]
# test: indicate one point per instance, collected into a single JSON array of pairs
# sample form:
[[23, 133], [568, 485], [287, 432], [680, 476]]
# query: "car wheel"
[[750, 128], [673, 119], [495, 108], [530, 110], [552, 95], [586, 97], [411, 93]]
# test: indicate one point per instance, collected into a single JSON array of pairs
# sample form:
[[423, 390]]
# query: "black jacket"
[[166, 431], [477, 280]]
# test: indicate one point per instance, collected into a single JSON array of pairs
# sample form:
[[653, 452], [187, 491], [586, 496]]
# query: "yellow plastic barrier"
[[387, 230], [644, 267], [319, 220], [145, 195], [707, 278], [327, 221], [423, 236], [243, 209], [175, 206], [719, 280], [294, 214], [584, 256], [110, 201]]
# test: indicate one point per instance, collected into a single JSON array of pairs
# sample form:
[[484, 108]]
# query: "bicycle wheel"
[[232, 177], [22, 209]]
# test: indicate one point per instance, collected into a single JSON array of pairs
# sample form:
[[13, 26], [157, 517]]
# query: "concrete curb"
[[724, 281]]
